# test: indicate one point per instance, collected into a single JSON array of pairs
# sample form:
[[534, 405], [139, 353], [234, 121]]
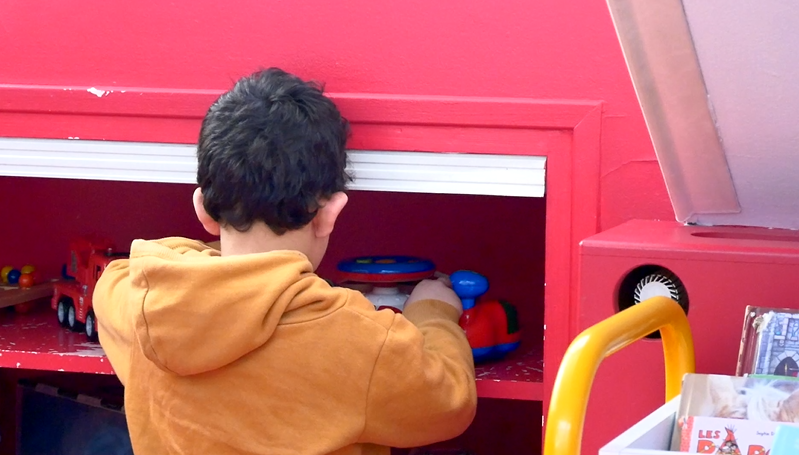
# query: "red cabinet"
[[715, 272]]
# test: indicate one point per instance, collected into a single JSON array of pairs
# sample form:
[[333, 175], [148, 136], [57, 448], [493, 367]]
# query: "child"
[[244, 349]]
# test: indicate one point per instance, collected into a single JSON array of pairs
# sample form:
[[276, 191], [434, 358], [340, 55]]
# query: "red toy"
[[491, 327], [26, 281], [73, 299]]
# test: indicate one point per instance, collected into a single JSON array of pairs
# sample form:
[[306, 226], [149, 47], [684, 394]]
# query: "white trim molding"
[[416, 172]]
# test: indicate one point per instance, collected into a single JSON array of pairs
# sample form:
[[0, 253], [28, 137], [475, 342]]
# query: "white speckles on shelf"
[[38, 342], [92, 352], [522, 366]]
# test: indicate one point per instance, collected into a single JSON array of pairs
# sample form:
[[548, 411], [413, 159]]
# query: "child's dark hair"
[[269, 150]]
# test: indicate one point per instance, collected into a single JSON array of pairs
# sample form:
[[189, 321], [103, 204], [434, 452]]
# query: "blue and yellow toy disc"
[[385, 269]]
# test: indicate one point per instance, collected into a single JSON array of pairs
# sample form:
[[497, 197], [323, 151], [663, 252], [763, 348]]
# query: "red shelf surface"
[[35, 341], [520, 376]]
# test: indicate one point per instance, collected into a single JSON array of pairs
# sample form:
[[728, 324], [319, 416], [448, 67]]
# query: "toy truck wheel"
[[91, 326], [72, 319], [62, 309]]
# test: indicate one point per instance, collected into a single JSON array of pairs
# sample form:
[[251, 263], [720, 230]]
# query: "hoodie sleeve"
[[423, 385], [115, 318]]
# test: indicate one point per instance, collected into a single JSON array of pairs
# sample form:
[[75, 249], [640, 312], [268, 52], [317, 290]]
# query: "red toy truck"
[[72, 299]]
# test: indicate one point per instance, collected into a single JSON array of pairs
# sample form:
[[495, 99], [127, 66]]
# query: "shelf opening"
[[500, 237]]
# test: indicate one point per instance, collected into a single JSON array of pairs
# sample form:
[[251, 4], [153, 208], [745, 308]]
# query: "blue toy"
[[492, 327]]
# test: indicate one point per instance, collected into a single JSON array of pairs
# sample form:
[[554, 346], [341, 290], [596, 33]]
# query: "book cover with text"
[[747, 409], [727, 436]]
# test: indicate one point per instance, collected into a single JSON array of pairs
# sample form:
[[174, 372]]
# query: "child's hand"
[[436, 290]]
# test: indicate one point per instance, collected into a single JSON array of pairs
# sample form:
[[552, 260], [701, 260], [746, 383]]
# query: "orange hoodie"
[[255, 354]]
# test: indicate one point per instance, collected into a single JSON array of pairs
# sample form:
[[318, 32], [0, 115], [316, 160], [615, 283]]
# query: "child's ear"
[[325, 219], [210, 225]]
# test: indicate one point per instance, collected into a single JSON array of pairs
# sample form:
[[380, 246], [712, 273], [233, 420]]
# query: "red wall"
[[547, 49], [515, 48]]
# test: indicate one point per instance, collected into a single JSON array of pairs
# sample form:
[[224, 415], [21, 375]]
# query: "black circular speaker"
[[649, 281]]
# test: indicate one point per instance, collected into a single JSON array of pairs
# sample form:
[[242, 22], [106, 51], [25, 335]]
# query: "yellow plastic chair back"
[[569, 400]]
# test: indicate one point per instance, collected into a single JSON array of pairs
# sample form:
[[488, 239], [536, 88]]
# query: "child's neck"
[[260, 239]]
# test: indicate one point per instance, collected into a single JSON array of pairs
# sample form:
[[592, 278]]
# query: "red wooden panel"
[[724, 269]]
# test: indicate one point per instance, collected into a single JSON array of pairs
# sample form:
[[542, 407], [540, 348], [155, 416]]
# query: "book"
[[786, 440], [769, 342], [727, 436], [733, 414]]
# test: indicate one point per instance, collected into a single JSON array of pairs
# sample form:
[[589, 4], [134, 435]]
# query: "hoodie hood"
[[201, 311]]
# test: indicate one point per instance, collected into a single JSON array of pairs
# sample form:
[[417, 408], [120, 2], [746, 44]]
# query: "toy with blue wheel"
[[385, 269], [491, 326]]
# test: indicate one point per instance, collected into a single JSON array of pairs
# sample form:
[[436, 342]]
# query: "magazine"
[[732, 414], [786, 441], [769, 342]]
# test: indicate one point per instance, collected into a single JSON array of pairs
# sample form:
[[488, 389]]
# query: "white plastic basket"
[[650, 436]]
